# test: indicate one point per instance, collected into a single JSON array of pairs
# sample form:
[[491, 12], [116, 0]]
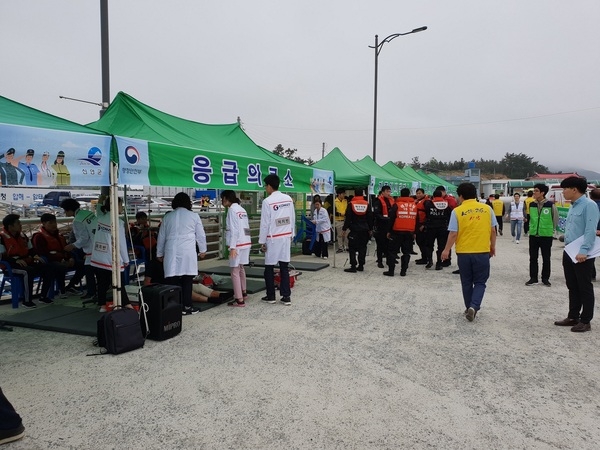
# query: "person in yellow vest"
[[543, 220], [359, 227], [63, 176], [341, 205], [499, 210], [528, 200], [473, 228]]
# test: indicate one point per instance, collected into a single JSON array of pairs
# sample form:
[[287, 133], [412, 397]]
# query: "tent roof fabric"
[[368, 165], [15, 113], [346, 172], [129, 117]]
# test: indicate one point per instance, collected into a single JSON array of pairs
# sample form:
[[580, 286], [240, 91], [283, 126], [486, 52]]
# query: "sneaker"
[[439, 266], [223, 297], [500, 232], [388, 274], [63, 295], [237, 304], [12, 435], [189, 310], [360, 268], [403, 273], [72, 290], [102, 309], [546, 283], [350, 270], [340, 250], [446, 263], [531, 282], [421, 262], [266, 299], [517, 241], [29, 305], [244, 295], [380, 265], [46, 300], [455, 272], [324, 257], [471, 313], [429, 265], [286, 301]]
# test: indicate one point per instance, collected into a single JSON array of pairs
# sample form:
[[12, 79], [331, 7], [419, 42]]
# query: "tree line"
[[512, 165]]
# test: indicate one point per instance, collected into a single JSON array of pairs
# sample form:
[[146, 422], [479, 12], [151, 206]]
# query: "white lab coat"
[[323, 225], [237, 235], [84, 228], [277, 227], [179, 233]]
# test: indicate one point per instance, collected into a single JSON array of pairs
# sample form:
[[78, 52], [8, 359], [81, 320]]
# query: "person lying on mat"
[[155, 273]]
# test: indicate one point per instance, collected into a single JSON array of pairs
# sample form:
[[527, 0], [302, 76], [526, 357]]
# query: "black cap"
[[60, 154], [30, 152], [10, 151]]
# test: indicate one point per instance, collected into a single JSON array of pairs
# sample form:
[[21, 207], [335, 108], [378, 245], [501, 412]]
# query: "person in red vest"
[[381, 210], [402, 232], [50, 244], [358, 227], [16, 249]]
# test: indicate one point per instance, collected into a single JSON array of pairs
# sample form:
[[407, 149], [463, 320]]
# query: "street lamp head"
[[416, 30]]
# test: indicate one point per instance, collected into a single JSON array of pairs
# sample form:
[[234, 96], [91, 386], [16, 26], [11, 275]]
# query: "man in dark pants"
[[358, 226], [543, 218], [582, 221], [437, 214], [381, 208], [402, 230], [11, 425]]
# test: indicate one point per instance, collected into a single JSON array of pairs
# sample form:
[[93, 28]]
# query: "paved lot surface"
[[359, 361]]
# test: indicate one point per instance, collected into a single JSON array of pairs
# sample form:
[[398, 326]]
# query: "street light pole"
[[378, 46]]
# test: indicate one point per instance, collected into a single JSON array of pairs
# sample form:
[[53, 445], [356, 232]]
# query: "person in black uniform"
[[381, 207], [437, 217], [358, 227]]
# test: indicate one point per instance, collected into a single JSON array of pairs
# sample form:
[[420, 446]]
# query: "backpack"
[[120, 331]]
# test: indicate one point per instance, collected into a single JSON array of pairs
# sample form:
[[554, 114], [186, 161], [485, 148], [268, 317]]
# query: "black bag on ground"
[[306, 250], [119, 331], [163, 305]]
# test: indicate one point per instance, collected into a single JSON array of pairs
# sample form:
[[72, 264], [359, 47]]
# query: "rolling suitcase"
[[163, 311]]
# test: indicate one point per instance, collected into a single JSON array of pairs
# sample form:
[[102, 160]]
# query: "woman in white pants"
[[237, 238]]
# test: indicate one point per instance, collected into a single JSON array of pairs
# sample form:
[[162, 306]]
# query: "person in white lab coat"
[[277, 227], [181, 231], [237, 238], [320, 218], [101, 259]]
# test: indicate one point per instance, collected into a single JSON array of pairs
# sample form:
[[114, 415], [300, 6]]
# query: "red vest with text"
[[359, 206], [406, 215]]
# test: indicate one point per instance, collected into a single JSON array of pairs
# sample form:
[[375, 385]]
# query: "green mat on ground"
[[252, 286], [63, 319], [298, 265], [252, 272]]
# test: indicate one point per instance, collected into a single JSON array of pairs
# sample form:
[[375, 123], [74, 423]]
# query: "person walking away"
[[181, 240], [238, 240], [101, 259], [320, 218], [421, 234], [517, 215], [340, 206], [358, 227], [499, 211], [84, 229], [277, 228], [472, 228], [582, 222], [402, 231], [528, 200], [543, 219], [437, 213], [381, 209], [453, 204]]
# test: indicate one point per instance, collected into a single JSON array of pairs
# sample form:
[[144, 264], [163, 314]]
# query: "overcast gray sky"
[[486, 78]]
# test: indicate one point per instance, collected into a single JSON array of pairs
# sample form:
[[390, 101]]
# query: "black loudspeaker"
[[164, 311]]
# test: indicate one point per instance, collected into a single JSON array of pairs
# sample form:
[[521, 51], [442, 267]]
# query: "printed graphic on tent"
[[156, 164], [44, 157]]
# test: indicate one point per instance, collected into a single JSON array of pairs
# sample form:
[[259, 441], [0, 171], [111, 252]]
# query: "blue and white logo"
[[132, 155], [94, 156]]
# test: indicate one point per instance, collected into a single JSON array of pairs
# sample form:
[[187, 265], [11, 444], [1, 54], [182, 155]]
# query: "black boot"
[[404, 260]]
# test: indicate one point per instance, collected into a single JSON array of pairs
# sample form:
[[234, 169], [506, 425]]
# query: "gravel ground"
[[358, 361]]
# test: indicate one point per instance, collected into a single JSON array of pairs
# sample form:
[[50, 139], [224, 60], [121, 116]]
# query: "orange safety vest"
[[406, 215], [384, 208], [16, 247], [359, 206], [54, 243], [421, 209]]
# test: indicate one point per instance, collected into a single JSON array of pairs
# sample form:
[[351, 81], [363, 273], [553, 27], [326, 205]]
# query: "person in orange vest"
[[358, 227], [381, 210], [50, 244], [16, 248], [402, 232]]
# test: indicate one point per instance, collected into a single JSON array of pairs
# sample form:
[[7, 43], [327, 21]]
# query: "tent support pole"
[[114, 223]]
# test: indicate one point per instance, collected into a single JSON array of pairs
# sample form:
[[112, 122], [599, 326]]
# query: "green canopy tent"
[[450, 188], [426, 183], [347, 174], [413, 181], [39, 149], [159, 149], [382, 176]]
